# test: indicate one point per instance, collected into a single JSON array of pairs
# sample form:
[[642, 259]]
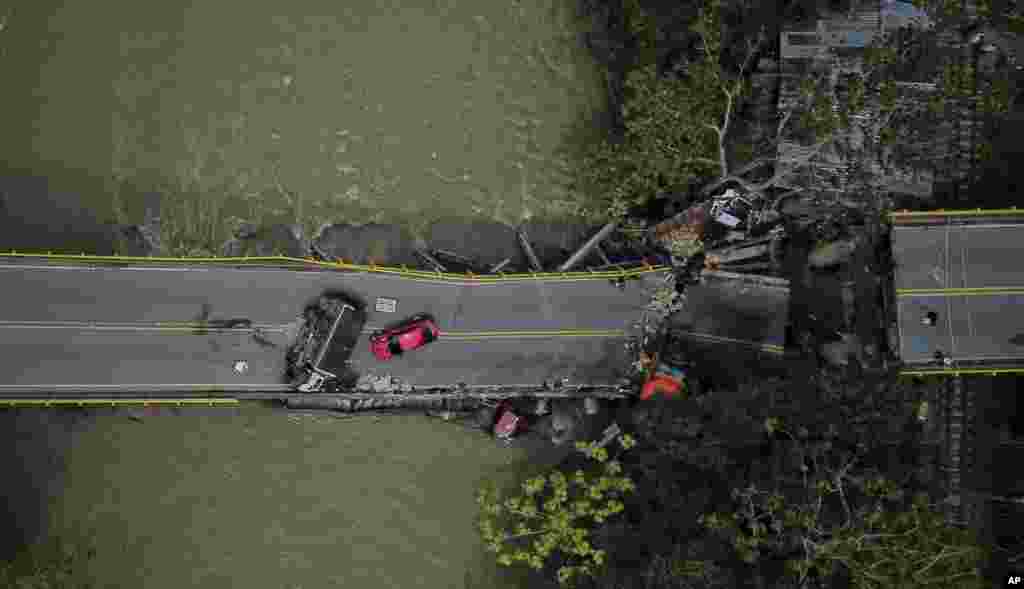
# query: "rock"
[[489, 242], [252, 240], [365, 383], [564, 424], [246, 230], [373, 242], [150, 232], [131, 242], [232, 248], [542, 407]]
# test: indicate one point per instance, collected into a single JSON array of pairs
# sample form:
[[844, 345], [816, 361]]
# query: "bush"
[[56, 564], [849, 517], [554, 517]]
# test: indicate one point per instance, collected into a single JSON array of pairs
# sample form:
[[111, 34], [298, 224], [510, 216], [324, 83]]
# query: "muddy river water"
[[306, 112], [256, 497]]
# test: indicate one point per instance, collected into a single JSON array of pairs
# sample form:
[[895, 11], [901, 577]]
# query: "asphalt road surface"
[[139, 327], [735, 312], [975, 323], [958, 256], [983, 328]]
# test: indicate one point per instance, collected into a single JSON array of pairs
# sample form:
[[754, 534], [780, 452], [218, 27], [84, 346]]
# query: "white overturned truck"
[[318, 361]]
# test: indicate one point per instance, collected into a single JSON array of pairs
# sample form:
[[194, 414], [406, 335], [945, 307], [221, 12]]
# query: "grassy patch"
[[58, 563]]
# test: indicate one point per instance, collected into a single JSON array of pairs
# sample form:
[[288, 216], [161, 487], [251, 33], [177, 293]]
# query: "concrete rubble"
[[665, 300], [382, 384]]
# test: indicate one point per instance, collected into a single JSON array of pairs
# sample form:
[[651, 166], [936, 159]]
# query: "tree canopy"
[[680, 124]]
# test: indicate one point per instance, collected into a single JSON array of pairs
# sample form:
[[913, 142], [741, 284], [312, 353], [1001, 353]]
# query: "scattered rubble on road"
[[382, 384]]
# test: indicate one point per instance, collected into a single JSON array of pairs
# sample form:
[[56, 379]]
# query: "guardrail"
[[474, 393], [341, 265], [961, 371], [113, 402], [960, 292], [956, 213]]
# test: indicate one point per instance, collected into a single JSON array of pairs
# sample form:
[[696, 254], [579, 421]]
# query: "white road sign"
[[386, 305]]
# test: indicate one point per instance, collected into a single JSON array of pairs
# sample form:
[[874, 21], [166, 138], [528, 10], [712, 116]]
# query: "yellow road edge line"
[[213, 330], [529, 335], [205, 330], [529, 332], [126, 401], [959, 371], [448, 276], [981, 290], [957, 213]]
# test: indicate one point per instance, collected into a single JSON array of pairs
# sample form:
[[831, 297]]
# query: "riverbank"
[[180, 494], [483, 243]]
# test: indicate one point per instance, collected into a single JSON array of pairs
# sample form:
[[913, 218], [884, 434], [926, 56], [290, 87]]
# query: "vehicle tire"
[[428, 335]]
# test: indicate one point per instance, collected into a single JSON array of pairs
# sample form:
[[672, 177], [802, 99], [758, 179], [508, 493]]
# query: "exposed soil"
[[485, 242]]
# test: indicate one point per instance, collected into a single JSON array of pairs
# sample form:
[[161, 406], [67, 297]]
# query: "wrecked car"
[[319, 358]]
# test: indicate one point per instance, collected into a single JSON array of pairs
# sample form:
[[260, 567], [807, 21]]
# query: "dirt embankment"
[[486, 243]]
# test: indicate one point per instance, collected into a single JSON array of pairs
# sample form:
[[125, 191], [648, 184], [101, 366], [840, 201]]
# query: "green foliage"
[[668, 139], [881, 540], [664, 139], [57, 564], [996, 101], [683, 248], [944, 9], [709, 26], [857, 94], [555, 515], [642, 27], [887, 96], [1015, 23], [907, 548]]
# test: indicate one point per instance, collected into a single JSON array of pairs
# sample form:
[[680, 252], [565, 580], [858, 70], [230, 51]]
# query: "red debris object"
[[508, 423], [666, 387], [665, 381]]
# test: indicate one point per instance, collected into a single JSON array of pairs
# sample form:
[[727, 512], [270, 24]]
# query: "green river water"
[[308, 112], [263, 499], [305, 112]]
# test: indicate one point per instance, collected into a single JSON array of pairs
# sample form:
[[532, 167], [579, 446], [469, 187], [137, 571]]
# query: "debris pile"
[[440, 407], [682, 235], [382, 384], [665, 300]]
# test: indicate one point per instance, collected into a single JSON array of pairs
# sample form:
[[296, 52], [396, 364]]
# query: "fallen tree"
[[849, 113]]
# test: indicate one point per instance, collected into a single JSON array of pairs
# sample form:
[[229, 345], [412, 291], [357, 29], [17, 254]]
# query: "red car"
[[417, 332]]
